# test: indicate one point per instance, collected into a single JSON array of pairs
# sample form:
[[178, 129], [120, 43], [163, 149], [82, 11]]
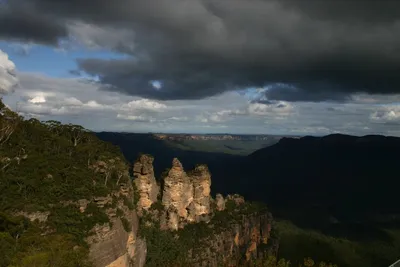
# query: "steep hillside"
[[342, 187], [66, 197], [352, 176]]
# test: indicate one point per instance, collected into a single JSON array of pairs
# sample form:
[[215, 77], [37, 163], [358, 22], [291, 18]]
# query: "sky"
[[284, 67]]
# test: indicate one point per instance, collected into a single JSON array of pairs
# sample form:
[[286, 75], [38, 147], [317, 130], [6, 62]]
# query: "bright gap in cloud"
[[37, 100], [156, 84], [258, 94]]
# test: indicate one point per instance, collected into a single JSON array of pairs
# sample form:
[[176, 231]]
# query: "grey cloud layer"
[[46, 98], [198, 48]]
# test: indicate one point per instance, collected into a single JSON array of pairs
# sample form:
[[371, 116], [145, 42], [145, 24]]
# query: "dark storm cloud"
[[310, 93], [198, 48], [365, 10], [20, 23]]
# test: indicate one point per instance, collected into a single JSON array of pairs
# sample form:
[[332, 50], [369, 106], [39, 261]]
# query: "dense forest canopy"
[[42, 166]]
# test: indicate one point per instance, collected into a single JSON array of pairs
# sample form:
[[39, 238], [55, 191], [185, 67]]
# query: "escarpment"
[[207, 231], [115, 244]]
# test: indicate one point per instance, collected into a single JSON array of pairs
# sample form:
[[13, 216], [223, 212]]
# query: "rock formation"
[[178, 191], [145, 182], [237, 228], [201, 179], [41, 217], [186, 196]]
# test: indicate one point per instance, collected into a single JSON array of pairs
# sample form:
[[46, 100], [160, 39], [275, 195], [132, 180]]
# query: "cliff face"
[[118, 245]]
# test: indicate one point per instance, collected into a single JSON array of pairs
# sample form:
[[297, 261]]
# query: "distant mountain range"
[[221, 137]]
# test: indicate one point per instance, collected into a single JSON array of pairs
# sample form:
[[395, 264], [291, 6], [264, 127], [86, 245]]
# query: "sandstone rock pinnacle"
[[178, 190], [201, 179], [145, 182]]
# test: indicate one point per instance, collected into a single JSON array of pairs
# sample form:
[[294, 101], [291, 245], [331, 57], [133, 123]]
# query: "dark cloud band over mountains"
[[327, 49]]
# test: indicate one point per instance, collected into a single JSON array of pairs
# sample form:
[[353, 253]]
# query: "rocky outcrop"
[[219, 202], [41, 217], [145, 182], [135, 255], [201, 179], [178, 191], [140, 252], [186, 196], [108, 244]]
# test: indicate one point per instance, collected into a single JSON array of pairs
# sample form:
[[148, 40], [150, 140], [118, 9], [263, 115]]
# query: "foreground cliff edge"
[[68, 199]]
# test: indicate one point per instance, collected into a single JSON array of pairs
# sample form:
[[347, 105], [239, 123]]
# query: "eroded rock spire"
[[145, 182], [178, 190]]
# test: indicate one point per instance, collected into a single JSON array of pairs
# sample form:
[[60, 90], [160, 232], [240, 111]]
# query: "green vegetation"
[[120, 213], [235, 213], [157, 206], [295, 243], [169, 248], [22, 244], [272, 261], [163, 249], [135, 193], [44, 166]]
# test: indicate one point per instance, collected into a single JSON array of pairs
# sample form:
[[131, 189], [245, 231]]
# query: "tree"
[[8, 123], [54, 126], [121, 169], [75, 132]]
